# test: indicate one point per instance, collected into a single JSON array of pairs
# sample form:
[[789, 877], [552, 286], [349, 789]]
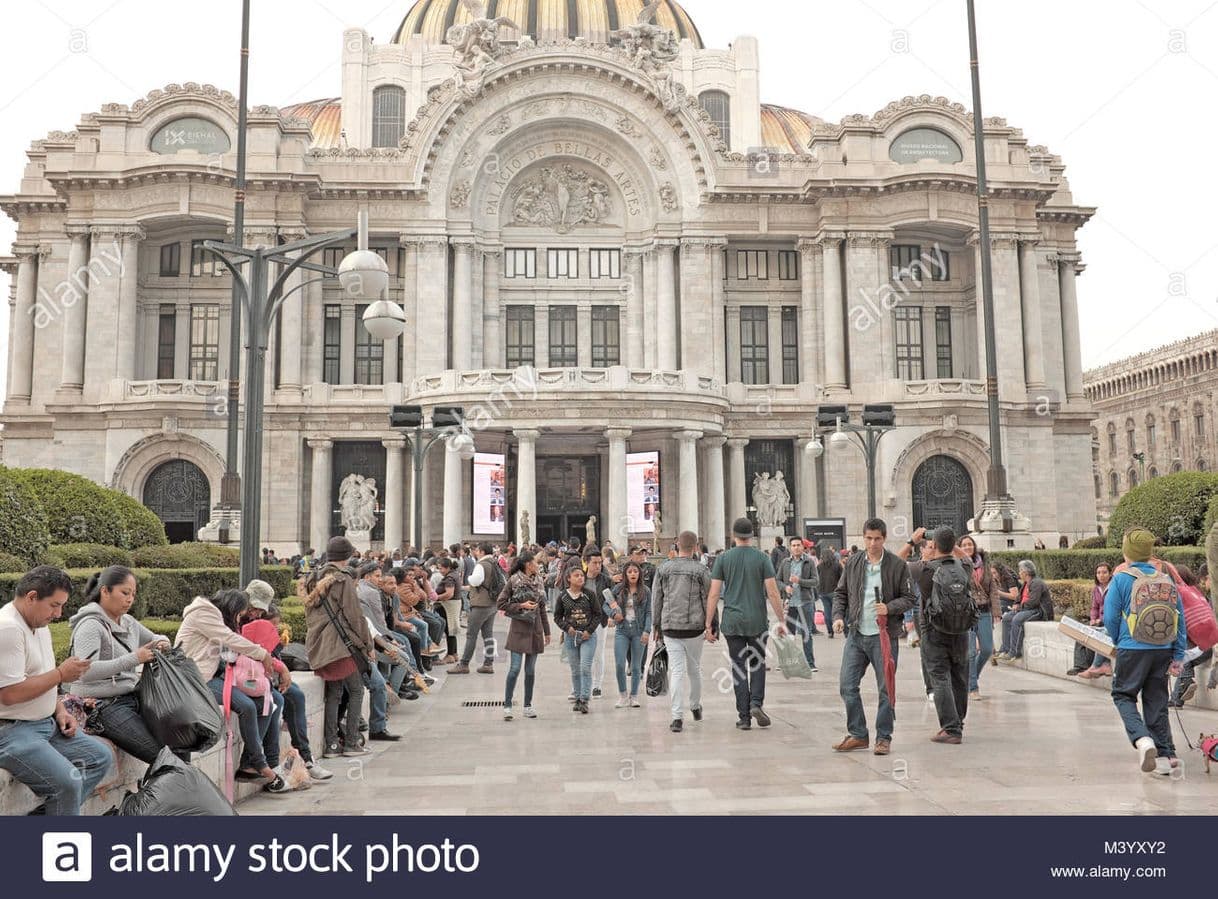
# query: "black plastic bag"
[[177, 705], [172, 787], [295, 657], [657, 672]]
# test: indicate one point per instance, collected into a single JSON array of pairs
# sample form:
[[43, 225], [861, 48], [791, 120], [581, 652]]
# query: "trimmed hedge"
[[86, 555], [81, 511], [1211, 515], [61, 634], [1080, 564], [10, 563], [1090, 543], [1072, 598], [186, 555], [1172, 507], [23, 520], [164, 593]]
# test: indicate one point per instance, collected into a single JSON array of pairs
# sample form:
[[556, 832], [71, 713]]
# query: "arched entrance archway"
[[178, 493], [942, 494]]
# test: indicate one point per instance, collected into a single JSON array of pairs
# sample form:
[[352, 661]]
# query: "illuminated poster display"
[[643, 489], [490, 498]]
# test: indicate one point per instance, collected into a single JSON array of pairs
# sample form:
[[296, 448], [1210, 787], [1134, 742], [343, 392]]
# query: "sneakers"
[[930, 697], [1189, 692], [596, 694], [1147, 753], [279, 785], [332, 751], [1163, 766], [572, 697], [759, 715], [744, 724], [317, 772], [507, 713], [459, 668], [485, 668], [950, 739], [582, 706], [622, 703], [384, 736], [814, 669], [634, 703], [354, 752], [530, 712], [676, 726], [697, 713]]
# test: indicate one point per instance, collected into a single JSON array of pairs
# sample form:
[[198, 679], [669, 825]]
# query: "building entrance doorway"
[[568, 494]]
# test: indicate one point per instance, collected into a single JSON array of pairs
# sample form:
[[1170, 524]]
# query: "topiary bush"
[[80, 511], [186, 555], [1172, 507], [86, 555], [23, 520], [1090, 543], [1072, 598], [1080, 564], [1211, 515], [11, 564]]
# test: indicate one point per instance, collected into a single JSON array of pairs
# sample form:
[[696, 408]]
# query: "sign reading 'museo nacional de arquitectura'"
[[606, 244]]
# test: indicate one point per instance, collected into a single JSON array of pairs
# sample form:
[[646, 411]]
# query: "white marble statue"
[[477, 45], [590, 531], [357, 500], [525, 536], [771, 498]]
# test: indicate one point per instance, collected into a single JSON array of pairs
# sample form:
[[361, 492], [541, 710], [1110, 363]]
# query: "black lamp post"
[[878, 420], [447, 423]]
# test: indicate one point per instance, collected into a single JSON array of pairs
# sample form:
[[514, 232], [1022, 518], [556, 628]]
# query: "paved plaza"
[[1036, 745]]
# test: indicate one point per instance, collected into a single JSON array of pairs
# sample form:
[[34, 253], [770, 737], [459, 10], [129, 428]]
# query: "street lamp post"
[[878, 420], [447, 423], [363, 274], [1140, 458]]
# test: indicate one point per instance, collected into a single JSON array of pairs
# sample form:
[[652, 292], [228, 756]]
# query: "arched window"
[[1150, 432], [1201, 465], [1130, 436], [1112, 439], [1153, 472], [1173, 424], [388, 116], [1099, 488], [1176, 467], [1114, 485], [719, 105], [1133, 478]]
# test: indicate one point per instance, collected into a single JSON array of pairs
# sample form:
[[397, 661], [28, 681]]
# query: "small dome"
[[546, 20]]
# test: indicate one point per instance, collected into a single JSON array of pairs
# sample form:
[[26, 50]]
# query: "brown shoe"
[[459, 668], [883, 747], [850, 744], [487, 668], [944, 737]]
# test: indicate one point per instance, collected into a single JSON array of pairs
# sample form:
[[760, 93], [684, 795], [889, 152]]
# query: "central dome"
[[546, 21]]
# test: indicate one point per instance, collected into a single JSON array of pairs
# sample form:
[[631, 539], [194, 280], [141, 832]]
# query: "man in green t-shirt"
[[744, 577]]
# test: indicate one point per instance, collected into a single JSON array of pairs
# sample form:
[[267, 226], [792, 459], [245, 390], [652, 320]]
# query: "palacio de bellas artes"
[[605, 243]]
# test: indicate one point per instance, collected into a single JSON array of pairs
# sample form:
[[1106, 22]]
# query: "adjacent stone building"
[[1154, 415], [605, 243]]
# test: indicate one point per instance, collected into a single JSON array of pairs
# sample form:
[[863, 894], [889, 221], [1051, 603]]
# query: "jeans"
[[412, 641], [62, 771], [122, 724], [259, 733], [1188, 675], [481, 624], [980, 648], [354, 685], [297, 721], [598, 660], [1144, 671], [684, 659], [580, 653], [826, 602], [530, 665], [378, 701], [1084, 658], [628, 642], [1012, 630], [394, 673], [860, 651], [435, 626], [946, 660], [747, 655], [801, 620]]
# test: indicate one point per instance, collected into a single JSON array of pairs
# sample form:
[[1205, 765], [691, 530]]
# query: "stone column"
[[733, 361], [21, 374], [871, 336], [716, 516], [834, 313], [806, 500], [718, 308], [128, 304], [697, 307], [774, 342], [454, 495], [1071, 335], [414, 311], [313, 334], [1033, 335], [73, 377], [738, 497], [463, 303], [617, 526], [291, 328], [319, 495], [651, 353], [431, 343], [583, 336], [346, 350], [809, 315], [526, 481], [633, 293], [181, 341], [101, 316], [666, 306], [687, 513], [492, 312], [1008, 317], [395, 499]]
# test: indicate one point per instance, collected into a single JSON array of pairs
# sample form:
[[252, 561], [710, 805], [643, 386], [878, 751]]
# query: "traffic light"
[[406, 417]]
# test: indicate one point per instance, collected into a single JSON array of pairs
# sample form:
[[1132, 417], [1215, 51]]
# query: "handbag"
[[362, 665], [657, 672]]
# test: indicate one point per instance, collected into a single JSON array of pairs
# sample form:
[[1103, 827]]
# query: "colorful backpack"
[[1154, 608]]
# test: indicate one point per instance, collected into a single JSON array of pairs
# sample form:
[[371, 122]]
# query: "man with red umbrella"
[[870, 602]]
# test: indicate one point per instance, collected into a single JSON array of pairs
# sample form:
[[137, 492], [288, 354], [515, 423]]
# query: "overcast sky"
[[1125, 92]]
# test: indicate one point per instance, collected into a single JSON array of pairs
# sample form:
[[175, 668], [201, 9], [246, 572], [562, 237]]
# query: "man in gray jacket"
[[799, 582], [678, 608]]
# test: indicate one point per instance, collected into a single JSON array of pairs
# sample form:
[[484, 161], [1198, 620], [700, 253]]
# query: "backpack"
[[498, 582], [250, 678], [950, 608], [1154, 613]]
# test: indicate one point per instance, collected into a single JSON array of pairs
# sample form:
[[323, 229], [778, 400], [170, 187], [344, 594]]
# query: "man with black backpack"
[[946, 615]]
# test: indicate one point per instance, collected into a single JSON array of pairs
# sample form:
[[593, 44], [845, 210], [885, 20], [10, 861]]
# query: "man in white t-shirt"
[[40, 744]]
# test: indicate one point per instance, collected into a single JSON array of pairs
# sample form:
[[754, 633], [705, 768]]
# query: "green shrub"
[[1080, 564], [80, 511], [1211, 515], [86, 555], [1072, 598], [11, 564], [1090, 543], [1172, 507], [23, 520], [186, 555]]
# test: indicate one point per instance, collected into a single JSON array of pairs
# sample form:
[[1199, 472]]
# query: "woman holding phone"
[[529, 634]]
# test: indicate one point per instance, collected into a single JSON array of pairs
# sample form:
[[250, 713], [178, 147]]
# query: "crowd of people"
[[380, 623]]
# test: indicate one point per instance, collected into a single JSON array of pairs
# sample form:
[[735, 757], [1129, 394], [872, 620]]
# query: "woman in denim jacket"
[[629, 612]]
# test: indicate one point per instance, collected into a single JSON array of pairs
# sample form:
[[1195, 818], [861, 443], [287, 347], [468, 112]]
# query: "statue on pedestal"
[[523, 530], [590, 531], [357, 501], [656, 524]]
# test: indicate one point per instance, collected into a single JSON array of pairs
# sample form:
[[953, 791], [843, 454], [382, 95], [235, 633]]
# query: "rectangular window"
[[606, 336], [1131, 440], [1150, 437], [564, 343], [166, 334], [171, 260], [1112, 444], [520, 336], [332, 345], [1199, 424], [943, 341], [755, 344], [562, 263], [752, 265], [519, 263], [909, 342], [790, 345], [332, 256], [788, 265], [369, 353], [725, 261], [902, 258], [940, 266], [203, 262], [205, 342], [605, 263], [1175, 432]]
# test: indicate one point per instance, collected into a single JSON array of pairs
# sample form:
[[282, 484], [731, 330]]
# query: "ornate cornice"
[[101, 230]]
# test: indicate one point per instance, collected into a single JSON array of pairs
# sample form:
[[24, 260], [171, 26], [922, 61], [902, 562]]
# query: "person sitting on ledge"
[[1035, 603]]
